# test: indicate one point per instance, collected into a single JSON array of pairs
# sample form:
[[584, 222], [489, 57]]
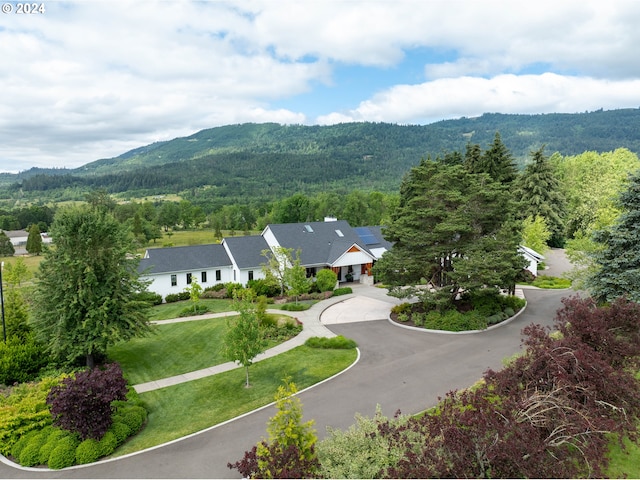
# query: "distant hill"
[[271, 160]]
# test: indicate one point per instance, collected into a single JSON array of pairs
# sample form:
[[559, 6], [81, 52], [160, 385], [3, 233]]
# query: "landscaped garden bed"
[[470, 313]]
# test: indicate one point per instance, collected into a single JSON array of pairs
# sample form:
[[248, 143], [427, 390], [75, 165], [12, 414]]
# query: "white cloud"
[[471, 96], [90, 79]]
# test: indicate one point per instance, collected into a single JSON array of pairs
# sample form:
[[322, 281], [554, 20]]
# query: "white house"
[[533, 258], [172, 269], [333, 244], [349, 252]]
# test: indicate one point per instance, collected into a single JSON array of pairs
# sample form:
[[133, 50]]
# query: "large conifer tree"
[[618, 274], [452, 229]]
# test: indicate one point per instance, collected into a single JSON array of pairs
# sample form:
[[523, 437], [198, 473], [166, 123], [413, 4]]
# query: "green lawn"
[[193, 406], [624, 463], [168, 311], [173, 349]]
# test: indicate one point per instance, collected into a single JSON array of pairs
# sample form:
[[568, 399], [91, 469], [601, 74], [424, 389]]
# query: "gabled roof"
[[179, 259], [247, 250], [529, 252], [320, 243]]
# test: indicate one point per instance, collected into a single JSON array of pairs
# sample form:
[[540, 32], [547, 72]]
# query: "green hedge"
[[342, 291], [338, 342]]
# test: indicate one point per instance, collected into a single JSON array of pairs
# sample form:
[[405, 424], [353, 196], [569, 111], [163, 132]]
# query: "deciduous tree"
[[85, 297], [244, 339]]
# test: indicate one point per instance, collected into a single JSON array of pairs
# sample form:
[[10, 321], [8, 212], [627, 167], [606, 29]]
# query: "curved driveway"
[[398, 369]]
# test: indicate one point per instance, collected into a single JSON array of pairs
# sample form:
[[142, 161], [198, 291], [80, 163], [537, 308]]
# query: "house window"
[[188, 279], [311, 272], [203, 277], [174, 280], [218, 275], [250, 274]]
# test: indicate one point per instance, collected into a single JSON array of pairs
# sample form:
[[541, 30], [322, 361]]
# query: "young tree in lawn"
[[195, 291], [618, 263], [85, 294], [244, 339], [34, 240]]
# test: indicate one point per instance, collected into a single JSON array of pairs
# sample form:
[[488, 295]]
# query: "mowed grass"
[[173, 349], [193, 406], [624, 463], [167, 311], [179, 238]]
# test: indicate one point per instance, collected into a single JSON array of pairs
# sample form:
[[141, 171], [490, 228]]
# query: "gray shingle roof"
[[247, 250], [177, 259], [320, 243]]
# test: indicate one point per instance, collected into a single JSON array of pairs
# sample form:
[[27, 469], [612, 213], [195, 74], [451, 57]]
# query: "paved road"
[[398, 369]]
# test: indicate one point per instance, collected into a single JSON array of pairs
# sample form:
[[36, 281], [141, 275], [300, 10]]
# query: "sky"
[[91, 79]]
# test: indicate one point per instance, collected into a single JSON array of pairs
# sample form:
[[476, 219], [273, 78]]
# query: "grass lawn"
[[624, 463], [193, 406], [175, 348], [167, 311]]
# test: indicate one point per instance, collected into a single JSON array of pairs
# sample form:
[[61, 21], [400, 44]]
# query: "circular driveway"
[[398, 370]]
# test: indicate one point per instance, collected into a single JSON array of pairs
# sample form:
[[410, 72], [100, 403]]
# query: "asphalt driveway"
[[398, 369]]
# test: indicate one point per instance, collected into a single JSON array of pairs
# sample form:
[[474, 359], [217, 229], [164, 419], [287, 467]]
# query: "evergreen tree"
[[6, 247], [34, 241], [452, 229], [618, 271], [85, 297], [498, 162], [540, 194]]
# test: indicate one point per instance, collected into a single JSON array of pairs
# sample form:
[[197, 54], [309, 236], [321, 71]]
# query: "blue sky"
[[92, 79]]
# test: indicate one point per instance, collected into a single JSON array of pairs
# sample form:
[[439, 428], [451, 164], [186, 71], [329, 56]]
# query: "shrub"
[[338, 342], [30, 454], [88, 451], [24, 410], [172, 298], [402, 308], [64, 454], [108, 444], [52, 441], [83, 404], [486, 301], [149, 297], [264, 287], [342, 291], [134, 417], [21, 361], [215, 288], [194, 310], [120, 430], [232, 288], [294, 307], [326, 280]]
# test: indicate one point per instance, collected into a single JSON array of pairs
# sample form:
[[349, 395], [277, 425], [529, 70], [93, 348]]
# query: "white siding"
[[161, 282]]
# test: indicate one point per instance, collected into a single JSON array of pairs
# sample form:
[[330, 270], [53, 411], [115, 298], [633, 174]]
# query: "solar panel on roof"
[[366, 236]]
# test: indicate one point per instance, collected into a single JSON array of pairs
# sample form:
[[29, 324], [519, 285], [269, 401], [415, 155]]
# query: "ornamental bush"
[[21, 360], [30, 454], [121, 431], [338, 342], [88, 451], [83, 404], [342, 291], [326, 280], [64, 454]]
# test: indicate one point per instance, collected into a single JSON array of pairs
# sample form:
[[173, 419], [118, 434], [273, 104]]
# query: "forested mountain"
[[267, 161]]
